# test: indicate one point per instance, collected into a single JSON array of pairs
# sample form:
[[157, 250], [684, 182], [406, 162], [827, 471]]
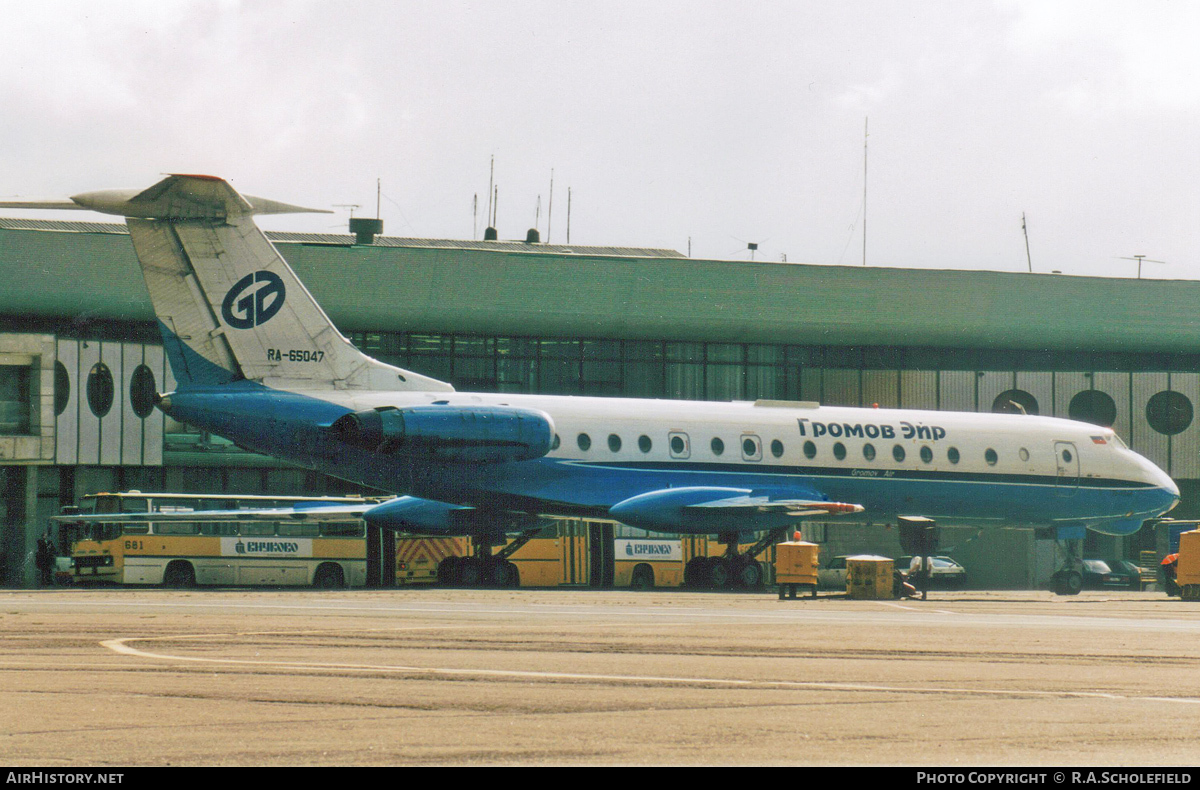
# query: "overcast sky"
[[721, 122]]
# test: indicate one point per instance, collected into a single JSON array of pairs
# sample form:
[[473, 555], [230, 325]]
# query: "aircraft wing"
[[708, 509], [791, 507]]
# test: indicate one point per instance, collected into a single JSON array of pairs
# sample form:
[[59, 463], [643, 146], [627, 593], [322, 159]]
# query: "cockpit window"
[[1114, 439]]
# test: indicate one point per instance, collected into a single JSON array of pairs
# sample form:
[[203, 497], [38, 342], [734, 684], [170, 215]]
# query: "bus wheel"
[[643, 578], [179, 575], [328, 577]]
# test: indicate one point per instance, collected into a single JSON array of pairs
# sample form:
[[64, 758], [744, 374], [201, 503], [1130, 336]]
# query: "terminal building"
[[80, 358]]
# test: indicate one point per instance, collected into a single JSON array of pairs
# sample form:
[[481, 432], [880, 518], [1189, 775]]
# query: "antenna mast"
[[866, 127], [491, 181], [550, 207], [1026, 231]]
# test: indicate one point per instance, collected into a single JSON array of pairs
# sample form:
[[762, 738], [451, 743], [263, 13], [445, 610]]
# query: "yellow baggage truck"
[[796, 566]]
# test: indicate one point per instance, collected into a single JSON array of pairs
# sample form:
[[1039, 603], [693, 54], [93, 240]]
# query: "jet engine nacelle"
[[446, 433]]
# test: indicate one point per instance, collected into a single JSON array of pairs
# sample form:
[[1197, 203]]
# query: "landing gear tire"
[[694, 572], [502, 574], [470, 572], [448, 572], [1068, 582], [751, 575], [718, 573]]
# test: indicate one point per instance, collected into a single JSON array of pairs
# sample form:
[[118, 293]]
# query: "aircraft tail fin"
[[229, 306]]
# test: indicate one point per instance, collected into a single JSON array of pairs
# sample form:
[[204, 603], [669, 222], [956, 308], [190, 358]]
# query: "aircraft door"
[[1066, 461]]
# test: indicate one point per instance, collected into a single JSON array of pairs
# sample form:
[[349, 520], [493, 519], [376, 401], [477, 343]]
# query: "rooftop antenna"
[[1025, 230], [752, 246], [568, 215], [350, 206], [1139, 259], [475, 217], [550, 207], [378, 195]]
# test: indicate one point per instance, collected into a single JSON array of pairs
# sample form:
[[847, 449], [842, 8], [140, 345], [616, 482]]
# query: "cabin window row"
[[752, 449]]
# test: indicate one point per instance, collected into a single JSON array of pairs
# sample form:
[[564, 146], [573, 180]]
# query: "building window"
[[1093, 406], [1015, 402], [62, 388], [100, 389], [15, 399], [1169, 412], [142, 391]]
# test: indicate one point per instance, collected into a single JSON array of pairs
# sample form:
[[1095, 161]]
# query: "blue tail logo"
[[243, 308]]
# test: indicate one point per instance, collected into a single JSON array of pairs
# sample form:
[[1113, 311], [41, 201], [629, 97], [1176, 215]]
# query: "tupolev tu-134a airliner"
[[258, 362]]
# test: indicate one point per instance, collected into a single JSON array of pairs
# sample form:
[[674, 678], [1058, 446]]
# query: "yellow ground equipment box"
[[796, 566], [869, 577], [1187, 575]]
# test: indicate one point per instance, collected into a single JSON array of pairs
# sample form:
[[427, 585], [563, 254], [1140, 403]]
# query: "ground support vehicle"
[[1187, 574], [796, 566]]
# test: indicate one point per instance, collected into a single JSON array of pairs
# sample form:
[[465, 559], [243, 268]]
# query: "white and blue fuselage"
[[1000, 469]]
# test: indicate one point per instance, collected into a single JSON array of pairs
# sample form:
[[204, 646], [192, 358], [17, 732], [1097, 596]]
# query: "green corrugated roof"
[[511, 288]]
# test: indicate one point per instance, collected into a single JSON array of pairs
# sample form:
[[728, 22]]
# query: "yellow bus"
[[567, 553], [328, 551]]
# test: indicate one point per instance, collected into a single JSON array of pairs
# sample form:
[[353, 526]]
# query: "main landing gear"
[[486, 568], [734, 569]]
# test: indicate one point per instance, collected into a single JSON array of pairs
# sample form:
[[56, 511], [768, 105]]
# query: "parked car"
[[832, 575], [946, 572], [1111, 575]]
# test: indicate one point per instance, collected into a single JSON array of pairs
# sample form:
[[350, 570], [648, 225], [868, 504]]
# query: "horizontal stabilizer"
[[68, 205], [175, 197]]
